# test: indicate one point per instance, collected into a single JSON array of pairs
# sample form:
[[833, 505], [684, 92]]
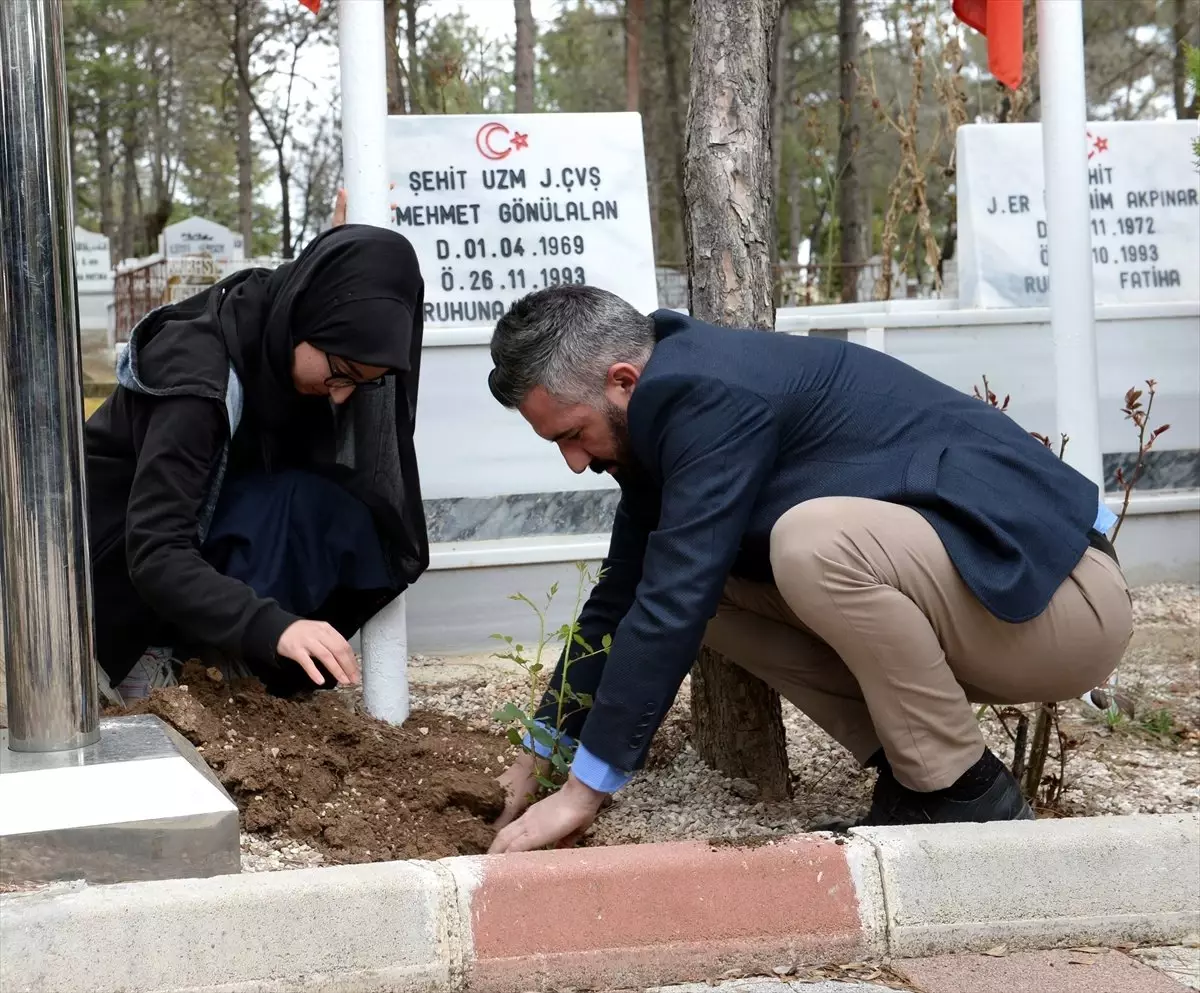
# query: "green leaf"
[[549, 784], [508, 713], [536, 667], [606, 642], [554, 590], [514, 737], [541, 735], [559, 762], [584, 700]]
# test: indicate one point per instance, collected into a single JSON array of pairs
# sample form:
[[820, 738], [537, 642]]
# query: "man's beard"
[[618, 425]]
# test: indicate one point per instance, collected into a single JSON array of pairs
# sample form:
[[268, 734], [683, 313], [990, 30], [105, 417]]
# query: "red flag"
[[313, 5], [1002, 22]]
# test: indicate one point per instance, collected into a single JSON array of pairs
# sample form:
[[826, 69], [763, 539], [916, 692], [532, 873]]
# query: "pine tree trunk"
[[245, 146], [675, 124], [635, 16], [795, 201], [780, 91], [849, 195], [737, 723], [285, 207], [129, 183], [415, 90], [104, 177], [741, 734], [391, 41], [523, 70], [1183, 109]]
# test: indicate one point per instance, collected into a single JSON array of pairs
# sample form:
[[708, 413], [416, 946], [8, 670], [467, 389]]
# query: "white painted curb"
[[1039, 884], [349, 929], [406, 926]]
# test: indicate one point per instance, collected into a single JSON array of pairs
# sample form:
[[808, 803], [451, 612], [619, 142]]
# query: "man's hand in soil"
[[520, 783], [558, 820], [304, 641]]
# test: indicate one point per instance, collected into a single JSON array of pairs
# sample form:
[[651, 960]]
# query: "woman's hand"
[[304, 641]]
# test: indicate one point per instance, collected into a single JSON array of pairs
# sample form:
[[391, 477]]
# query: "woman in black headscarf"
[[252, 481]]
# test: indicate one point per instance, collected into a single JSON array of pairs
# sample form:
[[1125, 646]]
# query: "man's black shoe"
[[893, 803]]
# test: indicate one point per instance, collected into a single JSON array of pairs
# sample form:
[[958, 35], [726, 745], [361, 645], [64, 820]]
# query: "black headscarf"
[[356, 292]]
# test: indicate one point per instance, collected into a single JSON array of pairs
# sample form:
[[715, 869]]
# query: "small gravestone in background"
[[93, 262], [202, 237]]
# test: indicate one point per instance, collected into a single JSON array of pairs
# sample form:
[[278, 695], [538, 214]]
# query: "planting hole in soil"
[[351, 787]]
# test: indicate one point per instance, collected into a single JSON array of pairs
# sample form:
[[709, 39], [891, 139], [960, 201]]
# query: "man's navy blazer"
[[732, 428]]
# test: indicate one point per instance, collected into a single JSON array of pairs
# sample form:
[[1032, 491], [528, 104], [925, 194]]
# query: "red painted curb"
[[645, 915]]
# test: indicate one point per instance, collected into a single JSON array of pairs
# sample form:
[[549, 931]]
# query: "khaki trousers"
[[872, 633]]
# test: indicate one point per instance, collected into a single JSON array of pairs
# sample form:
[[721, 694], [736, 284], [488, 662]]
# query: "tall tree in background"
[[243, 25], [583, 60], [245, 106], [781, 89], [674, 114], [635, 19], [523, 71], [1187, 17], [163, 125], [463, 72], [395, 70], [96, 65], [849, 194], [737, 724], [291, 29], [416, 95]]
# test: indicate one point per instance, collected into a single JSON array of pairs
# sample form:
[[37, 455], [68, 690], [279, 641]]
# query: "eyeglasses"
[[341, 380]]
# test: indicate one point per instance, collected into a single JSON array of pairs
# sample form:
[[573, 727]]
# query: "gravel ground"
[[1114, 770], [269, 854]]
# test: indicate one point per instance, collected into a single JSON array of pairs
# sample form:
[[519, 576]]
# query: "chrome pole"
[[44, 567]]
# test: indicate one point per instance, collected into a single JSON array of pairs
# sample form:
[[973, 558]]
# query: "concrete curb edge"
[[637, 915]]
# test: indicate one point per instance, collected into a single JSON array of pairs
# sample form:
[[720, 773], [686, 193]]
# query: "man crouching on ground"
[[880, 548]]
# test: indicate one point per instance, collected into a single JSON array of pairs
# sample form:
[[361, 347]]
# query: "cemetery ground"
[[319, 782]]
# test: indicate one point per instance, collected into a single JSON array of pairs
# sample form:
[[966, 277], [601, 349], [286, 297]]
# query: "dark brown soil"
[[352, 787]]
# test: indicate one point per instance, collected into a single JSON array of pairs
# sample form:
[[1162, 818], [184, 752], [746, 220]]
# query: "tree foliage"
[[156, 112]]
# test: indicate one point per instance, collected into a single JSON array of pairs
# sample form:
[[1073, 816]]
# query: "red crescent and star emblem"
[[1096, 144], [494, 141]]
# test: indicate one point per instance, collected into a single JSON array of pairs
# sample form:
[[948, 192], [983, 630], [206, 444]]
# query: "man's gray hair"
[[564, 339]]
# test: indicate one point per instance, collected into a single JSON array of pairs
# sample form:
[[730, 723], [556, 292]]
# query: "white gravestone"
[[498, 206], [200, 236], [1145, 213], [93, 262], [93, 280]]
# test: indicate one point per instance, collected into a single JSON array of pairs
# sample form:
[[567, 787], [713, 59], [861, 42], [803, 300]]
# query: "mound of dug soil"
[[354, 788]]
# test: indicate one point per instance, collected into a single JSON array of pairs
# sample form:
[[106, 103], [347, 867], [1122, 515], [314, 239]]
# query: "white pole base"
[[385, 663]]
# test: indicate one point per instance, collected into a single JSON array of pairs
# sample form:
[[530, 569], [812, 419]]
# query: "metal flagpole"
[[52, 694]]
